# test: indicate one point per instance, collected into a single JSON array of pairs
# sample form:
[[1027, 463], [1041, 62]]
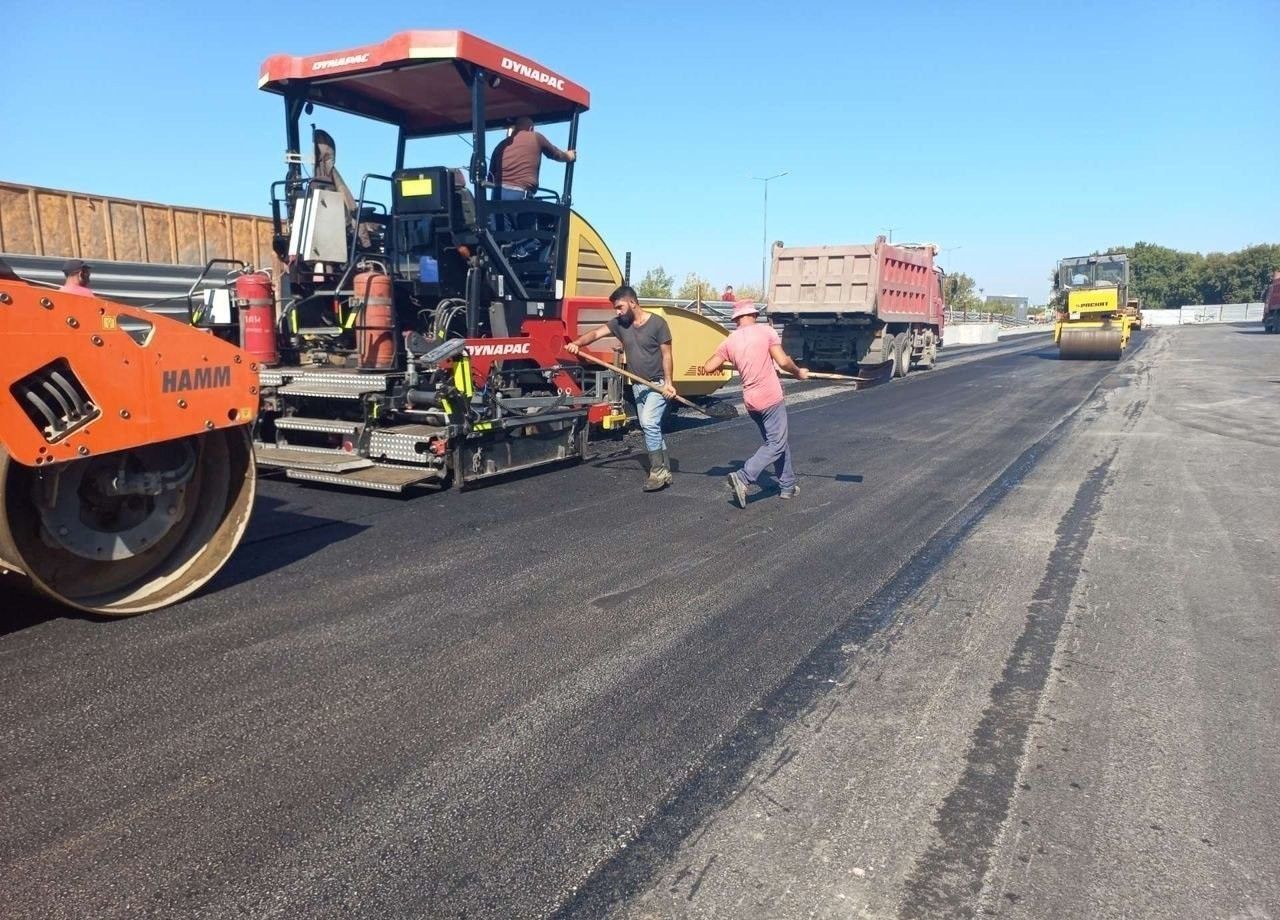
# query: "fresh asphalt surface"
[[559, 696]]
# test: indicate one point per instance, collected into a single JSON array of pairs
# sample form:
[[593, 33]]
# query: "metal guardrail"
[[162, 288], [973, 316]]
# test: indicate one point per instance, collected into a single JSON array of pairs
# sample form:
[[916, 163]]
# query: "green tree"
[[655, 283], [1161, 277], [696, 286], [748, 291], [959, 292]]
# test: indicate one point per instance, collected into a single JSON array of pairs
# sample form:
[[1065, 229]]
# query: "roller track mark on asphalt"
[[947, 879], [732, 769]]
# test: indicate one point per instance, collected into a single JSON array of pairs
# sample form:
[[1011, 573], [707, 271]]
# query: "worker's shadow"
[[768, 483], [722, 471]]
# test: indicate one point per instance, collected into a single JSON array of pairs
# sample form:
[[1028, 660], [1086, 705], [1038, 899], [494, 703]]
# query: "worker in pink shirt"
[[77, 278], [754, 349]]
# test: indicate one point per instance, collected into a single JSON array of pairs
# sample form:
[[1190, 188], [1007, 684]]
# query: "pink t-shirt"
[[72, 287], [747, 347]]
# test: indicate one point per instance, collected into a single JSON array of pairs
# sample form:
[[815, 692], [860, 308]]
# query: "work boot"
[[659, 475], [665, 469]]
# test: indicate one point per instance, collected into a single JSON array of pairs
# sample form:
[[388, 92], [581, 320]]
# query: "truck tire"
[[902, 355]]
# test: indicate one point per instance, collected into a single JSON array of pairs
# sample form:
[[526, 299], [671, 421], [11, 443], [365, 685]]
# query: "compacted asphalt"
[[1011, 651]]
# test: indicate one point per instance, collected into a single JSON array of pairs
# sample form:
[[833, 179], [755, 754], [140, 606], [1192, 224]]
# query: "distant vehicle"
[[1098, 315], [1271, 304], [844, 306]]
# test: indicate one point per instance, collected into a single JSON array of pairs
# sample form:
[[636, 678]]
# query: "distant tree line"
[[1164, 278], [658, 283]]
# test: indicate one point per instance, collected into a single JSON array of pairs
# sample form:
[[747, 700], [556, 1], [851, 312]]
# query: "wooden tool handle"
[[583, 353]]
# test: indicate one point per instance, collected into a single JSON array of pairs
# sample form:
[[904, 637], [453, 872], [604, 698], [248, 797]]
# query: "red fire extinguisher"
[[256, 302], [375, 323]]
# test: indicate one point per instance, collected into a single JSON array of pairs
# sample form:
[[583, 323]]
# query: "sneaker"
[[791, 492], [739, 489]]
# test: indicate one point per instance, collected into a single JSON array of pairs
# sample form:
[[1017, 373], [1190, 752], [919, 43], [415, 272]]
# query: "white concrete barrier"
[[971, 333]]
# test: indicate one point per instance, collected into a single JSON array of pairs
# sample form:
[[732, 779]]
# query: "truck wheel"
[[902, 355]]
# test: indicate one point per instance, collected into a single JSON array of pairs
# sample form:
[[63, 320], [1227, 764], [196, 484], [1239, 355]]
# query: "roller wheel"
[[128, 532], [1090, 345]]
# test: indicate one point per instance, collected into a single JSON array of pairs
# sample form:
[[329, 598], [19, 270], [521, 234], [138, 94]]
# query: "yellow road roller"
[[1094, 324]]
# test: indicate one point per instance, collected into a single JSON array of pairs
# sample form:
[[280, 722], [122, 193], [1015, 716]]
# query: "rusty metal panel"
[[91, 230], [190, 240], [56, 223], [243, 244], [217, 235], [157, 222], [17, 231], [126, 235]]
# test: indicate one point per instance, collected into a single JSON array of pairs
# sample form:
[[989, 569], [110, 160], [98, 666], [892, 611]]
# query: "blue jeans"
[[507, 221], [651, 405], [772, 423]]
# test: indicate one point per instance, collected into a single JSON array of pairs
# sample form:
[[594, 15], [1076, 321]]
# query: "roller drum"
[[129, 532], [1090, 344]]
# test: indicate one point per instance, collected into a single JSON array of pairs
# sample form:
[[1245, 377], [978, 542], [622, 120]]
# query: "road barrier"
[[1198, 314]]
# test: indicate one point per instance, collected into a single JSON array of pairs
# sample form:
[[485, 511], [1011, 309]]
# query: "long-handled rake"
[[714, 410]]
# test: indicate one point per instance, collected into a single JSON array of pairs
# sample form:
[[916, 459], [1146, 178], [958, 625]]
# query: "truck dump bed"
[[895, 283], [60, 224]]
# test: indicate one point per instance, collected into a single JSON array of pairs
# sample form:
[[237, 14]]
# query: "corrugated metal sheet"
[[159, 287]]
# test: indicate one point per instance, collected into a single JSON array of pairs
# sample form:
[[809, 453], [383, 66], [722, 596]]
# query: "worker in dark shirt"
[[646, 341], [518, 160]]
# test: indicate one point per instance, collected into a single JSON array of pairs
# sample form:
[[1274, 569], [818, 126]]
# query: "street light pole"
[[764, 246]]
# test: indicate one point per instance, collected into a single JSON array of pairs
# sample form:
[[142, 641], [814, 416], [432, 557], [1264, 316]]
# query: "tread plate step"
[[324, 425], [378, 476], [335, 461]]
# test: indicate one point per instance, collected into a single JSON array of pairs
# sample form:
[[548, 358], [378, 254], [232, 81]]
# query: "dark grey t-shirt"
[[643, 345]]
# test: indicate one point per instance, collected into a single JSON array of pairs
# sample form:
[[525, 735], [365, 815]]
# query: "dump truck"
[[851, 306], [126, 471], [1271, 304], [1095, 322]]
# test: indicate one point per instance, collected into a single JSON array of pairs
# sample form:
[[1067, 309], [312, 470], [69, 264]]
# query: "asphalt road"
[[551, 696]]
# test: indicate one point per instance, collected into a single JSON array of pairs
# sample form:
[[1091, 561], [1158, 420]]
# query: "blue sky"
[[1009, 133]]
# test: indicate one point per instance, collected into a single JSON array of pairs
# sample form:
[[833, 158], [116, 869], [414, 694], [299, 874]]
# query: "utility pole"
[[889, 230], [764, 246]]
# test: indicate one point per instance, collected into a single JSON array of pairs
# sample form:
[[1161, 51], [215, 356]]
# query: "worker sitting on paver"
[[646, 341], [753, 348]]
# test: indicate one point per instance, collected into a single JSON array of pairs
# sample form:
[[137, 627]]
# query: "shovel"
[[715, 410], [880, 373]]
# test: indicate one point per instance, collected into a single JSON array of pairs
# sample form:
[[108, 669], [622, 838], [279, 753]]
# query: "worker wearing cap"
[[646, 341], [77, 278], [754, 348]]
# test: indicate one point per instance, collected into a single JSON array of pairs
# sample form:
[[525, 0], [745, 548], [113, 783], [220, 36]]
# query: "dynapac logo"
[[533, 73], [330, 63], [201, 378], [505, 348]]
